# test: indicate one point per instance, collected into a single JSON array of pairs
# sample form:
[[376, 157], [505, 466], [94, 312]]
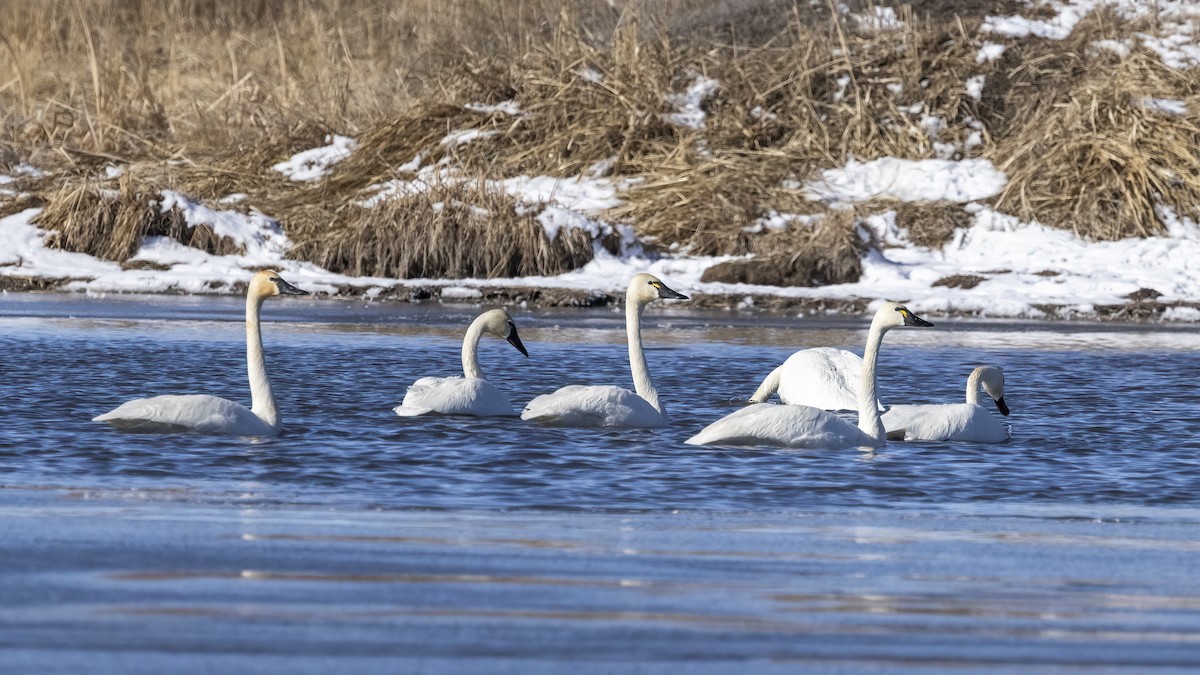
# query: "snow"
[[1177, 24], [464, 136], [1025, 266], [1166, 105], [882, 18], [261, 237], [908, 180], [689, 103], [975, 86], [510, 108], [990, 51], [313, 164]]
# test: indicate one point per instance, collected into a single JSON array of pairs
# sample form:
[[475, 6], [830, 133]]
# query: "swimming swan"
[[955, 421], [603, 406], [797, 426], [210, 414], [470, 394], [821, 377]]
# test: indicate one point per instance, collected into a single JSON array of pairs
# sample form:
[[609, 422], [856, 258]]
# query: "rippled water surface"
[[441, 544]]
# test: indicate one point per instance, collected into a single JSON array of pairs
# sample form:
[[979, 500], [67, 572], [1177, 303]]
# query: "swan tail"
[[768, 387]]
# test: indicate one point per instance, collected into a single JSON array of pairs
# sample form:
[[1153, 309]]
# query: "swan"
[[210, 414], [605, 406], [470, 394], [798, 426], [821, 377], [955, 421]]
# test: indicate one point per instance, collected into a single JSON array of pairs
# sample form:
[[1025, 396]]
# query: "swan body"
[[797, 426], [470, 394], [968, 421], [606, 406], [205, 414], [789, 426], [821, 377]]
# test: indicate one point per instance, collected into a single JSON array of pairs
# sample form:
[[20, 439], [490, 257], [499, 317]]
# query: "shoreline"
[[1134, 311]]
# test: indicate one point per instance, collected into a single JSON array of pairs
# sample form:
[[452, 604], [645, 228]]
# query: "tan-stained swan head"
[[894, 315], [268, 283], [499, 323], [992, 379], [646, 288]]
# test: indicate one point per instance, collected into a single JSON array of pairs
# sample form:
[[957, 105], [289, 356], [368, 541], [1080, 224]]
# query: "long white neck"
[[470, 349], [868, 411], [637, 358], [261, 398], [973, 386]]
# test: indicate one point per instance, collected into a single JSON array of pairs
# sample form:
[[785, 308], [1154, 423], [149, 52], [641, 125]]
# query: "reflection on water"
[[429, 542]]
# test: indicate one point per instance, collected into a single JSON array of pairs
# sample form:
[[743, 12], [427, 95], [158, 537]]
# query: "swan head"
[[895, 315], [268, 283], [499, 323], [992, 379], [646, 288]]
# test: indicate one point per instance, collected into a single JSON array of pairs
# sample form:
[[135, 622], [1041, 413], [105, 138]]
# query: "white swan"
[[603, 406], [796, 426], [821, 377], [209, 414], [955, 421], [470, 394]]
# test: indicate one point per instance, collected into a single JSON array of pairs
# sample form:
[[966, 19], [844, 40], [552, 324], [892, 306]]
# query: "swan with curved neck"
[[798, 426], [968, 421], [606, 406], [210, 414], [470, 394]]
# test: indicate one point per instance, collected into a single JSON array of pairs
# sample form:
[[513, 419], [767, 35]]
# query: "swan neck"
[[261, 397], [470, 349], [642, 383], [868, 410], [973, 386]]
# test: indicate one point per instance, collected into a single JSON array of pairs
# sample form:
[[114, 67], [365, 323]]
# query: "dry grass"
[[450, 230], [1099, 161], [204, 97], [110, 223]]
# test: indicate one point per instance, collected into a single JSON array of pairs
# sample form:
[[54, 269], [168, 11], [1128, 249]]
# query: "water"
[[363, 541]]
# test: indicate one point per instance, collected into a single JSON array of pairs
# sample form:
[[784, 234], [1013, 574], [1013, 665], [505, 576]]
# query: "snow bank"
[[313, 164], [907, 180]]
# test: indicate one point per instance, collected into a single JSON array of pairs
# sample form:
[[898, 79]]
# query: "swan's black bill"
[[911, 319], [664, 292], [515, 340], [287, 289], [1002, 406]]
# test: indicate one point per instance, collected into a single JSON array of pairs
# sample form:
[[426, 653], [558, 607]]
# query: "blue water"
[[449, 544]]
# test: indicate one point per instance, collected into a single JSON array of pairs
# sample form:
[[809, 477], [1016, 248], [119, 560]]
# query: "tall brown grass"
[[204, 96]]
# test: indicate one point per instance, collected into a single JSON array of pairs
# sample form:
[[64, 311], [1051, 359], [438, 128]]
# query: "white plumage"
[[968, 421], [199, 413], [470, 394], [797, 426], [206, 414], [821, 377], [607, 406]]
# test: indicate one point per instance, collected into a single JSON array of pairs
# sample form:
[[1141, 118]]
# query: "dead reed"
[[206, 96]]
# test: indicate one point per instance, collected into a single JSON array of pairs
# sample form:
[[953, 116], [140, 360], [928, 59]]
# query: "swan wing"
[[945, 422], [193, 412], [454, 396], [789, 426], [821, 377], [593, 406]]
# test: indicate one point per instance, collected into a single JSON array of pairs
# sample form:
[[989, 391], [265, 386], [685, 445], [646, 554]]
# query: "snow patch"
[[689, 103], [908, 181], [313, 164]]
